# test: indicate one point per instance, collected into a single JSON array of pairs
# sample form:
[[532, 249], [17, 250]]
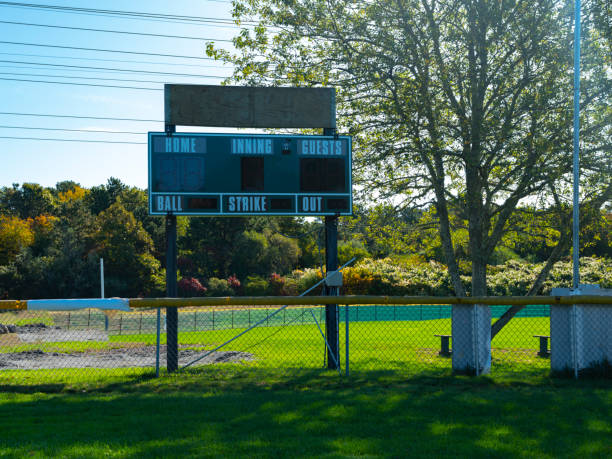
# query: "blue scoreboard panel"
[[239, 174]]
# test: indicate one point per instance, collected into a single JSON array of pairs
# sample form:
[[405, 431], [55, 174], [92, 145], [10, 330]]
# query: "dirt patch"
[[127, 357], [9, 339], [57, 335]]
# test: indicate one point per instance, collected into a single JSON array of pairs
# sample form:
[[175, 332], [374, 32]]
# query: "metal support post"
[[171, 287], [346, 345], [171, 292], [331, 310]]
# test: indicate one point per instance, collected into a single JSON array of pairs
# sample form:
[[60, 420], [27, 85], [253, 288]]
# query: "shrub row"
[[388, 277]]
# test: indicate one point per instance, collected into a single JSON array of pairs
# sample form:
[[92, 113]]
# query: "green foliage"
[[306, 279], [256, 286], [219, 287], [27, 201], [15, 234], [281, 255], [351, 249], [415, 277], [127, 250], [249, 254]]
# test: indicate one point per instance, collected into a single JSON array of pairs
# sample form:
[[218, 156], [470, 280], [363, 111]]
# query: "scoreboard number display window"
[[239, 174]]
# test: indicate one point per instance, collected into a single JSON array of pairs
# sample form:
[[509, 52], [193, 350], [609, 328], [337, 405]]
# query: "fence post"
[[213, 319], [140, 324], [232, 319], [68, 320], [120, 322], [195, 321], [249, 317], [88, 317], [346, 346]]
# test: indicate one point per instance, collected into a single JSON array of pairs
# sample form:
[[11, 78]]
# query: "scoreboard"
[[243, 174]]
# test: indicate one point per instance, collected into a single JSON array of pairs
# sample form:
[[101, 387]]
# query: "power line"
[[78, 77], [71, 130], [71, 140], [82, 84], [151, 72], [143, 34], [100, 50], [220, 25], [81, 117], [130, 14], [47, 56]]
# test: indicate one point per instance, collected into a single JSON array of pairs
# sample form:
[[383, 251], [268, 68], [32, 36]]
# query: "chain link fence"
[[408, 338]]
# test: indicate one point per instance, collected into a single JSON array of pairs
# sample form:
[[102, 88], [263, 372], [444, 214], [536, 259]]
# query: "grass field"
[[235, 411], [409, 346], [401, 399]]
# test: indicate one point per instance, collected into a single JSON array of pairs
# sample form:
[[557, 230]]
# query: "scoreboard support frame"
[[180, 100]]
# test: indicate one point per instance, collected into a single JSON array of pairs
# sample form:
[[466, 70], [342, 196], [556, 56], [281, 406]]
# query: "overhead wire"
[[78, 77], [102, 50], [125, 32], [128, 14], [2, 126], [81, 84], [47, 56], [151, 72], [82, 117], [72, 140]]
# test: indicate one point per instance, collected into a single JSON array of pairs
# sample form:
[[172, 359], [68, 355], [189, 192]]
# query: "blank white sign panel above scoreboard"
[[238, 174]]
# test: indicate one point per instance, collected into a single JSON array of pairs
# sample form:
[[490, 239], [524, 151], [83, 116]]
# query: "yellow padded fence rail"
[[344, 299]]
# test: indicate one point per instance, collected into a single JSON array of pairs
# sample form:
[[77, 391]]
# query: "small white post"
[[102, 291], [101, 277]]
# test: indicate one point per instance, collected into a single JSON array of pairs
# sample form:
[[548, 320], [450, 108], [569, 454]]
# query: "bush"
[[190, 286], [234, 283], [306, 279], [352, 249], [219, 287], [276, 284], [256, 286]]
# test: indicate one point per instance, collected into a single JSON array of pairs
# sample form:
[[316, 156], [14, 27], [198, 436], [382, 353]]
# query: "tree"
[[101, 197], [26, 201], [211, 243], [15, 234], [462, 105], [126, 247]]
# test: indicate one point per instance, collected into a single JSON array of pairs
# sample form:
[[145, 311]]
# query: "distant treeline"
[[51, 241]]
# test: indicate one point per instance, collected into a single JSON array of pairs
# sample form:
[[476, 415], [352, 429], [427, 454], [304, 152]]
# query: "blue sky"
[[48, 162]]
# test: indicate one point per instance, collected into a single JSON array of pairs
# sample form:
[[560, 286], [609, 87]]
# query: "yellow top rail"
[[365, 299], [13, 304], [344, 299]]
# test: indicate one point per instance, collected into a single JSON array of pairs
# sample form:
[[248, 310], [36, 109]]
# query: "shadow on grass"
[[235, 412]]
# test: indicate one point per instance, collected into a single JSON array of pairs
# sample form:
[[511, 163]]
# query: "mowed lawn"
[[400, 400], [237, 411]]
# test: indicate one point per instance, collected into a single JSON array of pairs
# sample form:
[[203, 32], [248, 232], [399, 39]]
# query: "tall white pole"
[[576, 210]]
